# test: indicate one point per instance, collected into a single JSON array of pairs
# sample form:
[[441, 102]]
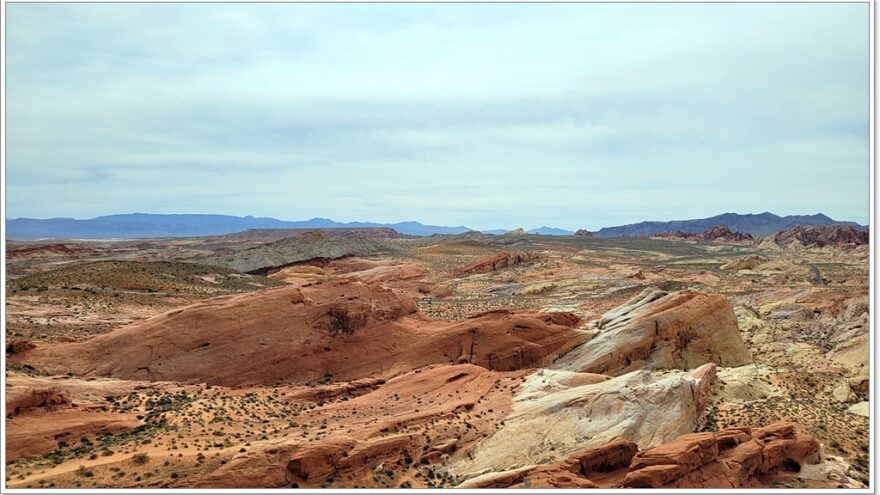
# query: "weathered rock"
[[21, 399], [727, 459], [843, 393], [744, 263], [495, 262], [19, 346], [583, 233], [816, 237], [42, 410], [660, 330], [377, 437], [723, 233], [731, 458], [716, 233], [341, 330], [747, 383], [556, 421], [861, 409]]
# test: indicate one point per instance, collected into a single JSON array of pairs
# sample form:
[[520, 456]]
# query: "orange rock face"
[[330, 331], [40, 412], [414, 419], [731, 458], [495, 262]]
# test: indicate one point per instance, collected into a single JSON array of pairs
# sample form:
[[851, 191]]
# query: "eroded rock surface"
[[341, 330], [731, 458], [661, 330]]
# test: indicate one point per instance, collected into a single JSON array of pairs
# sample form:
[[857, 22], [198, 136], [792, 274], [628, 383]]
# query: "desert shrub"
[[344, 323]]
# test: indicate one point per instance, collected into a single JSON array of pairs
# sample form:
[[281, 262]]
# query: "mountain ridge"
[[144, 225], [756, 224], [147, 225]]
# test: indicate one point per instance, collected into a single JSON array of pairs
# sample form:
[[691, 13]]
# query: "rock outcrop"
[[48, 250], [721, 232], [42, 411], [583, 233], [744, 263], [816, 237], [730, 458], [676, 234], [456, 405], [555, 416], [495, 262], [661, 330], [336, 330], [716, 233]]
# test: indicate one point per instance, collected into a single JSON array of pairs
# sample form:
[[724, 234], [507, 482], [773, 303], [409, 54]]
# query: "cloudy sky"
[[578, 115]]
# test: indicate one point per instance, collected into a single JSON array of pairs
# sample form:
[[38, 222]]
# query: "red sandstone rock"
[[338, 330], [724, 459], [818, 236], [495, 262], [718, 232], [731, 458]]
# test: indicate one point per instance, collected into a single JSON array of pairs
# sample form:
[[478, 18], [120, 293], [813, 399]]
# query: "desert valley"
[[363, 357]]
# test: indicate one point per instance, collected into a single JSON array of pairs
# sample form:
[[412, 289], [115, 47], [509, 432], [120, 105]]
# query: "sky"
[[485, 115]]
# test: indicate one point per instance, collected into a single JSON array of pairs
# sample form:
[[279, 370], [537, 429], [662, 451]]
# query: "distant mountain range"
[[136, 225], [551, 231], [151, 225], [539, 230], [758, 225]]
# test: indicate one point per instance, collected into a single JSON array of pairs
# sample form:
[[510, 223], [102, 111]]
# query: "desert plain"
[[343, 358]]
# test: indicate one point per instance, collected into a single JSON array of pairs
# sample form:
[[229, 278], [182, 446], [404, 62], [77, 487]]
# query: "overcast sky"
[[578, 115]]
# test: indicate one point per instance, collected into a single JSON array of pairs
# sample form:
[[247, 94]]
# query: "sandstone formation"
[[820, 236], [730, 458], [370, 362], [456, 405], [40, 412], [556, 419], [286, 251], [495, 262], [661, 330], [675, 234], [340, 330], [398, 274], [48, 250], [583, 233], [716, 233], [720, 232], [744, 263]]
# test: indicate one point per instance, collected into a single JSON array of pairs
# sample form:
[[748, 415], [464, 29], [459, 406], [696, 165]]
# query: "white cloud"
[[485, 115]]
